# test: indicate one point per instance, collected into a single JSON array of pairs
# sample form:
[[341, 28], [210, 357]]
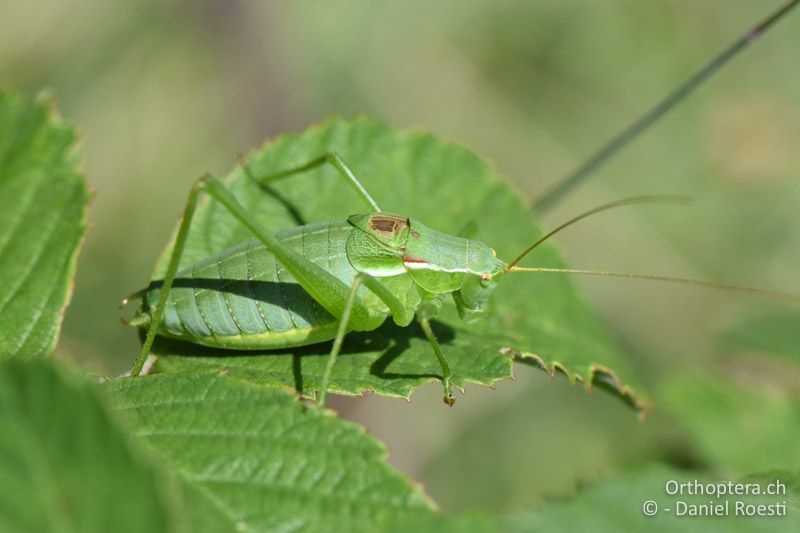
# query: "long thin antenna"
[[650, 199], [684, 281], [635, 129]]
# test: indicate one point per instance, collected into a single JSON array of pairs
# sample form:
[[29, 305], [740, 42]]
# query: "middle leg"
[[446, 376], [337, 342]]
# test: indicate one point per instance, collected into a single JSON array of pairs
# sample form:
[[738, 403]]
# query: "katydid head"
[[437, 262], [473, 296]]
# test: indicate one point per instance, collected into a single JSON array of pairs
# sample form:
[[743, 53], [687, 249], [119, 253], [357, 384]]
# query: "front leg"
[[337, 342], [428, 309], [446, 376]]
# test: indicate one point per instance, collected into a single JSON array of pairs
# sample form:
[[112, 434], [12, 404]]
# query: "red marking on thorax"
[[408, 259]]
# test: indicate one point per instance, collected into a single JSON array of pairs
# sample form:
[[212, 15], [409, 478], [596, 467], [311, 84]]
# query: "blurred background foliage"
[[165, 90]]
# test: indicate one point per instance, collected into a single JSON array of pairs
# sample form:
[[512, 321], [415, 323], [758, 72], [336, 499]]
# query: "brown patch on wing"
[[408, 259], [388, 224]]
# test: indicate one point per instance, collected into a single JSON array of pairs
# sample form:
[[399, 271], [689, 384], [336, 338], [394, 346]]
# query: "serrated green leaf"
[[775, 331], [64, 465], [43, 200], [716, 413], [540, 319], [617, 505], [255, 458], [390, 361]]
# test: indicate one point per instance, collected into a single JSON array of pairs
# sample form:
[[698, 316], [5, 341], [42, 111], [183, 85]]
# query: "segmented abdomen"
[[243, 299]]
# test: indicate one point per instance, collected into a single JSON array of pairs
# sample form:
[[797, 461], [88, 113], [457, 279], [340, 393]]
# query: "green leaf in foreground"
[[255, 458], [540, 319], [617, 505], [64, 466], [43, 200]]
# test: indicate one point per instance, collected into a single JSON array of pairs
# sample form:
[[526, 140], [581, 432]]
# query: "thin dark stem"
[[641, 124]]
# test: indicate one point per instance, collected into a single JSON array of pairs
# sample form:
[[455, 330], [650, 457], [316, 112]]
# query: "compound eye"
[[486, 278]]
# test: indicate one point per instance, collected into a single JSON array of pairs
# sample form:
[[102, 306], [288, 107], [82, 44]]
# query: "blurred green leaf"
[[736, 428], [537, 318], [435, 523], [775, 332], [790, 480], [43, 200], [254, 458], [617, 505], [64, 465], [543, 441]]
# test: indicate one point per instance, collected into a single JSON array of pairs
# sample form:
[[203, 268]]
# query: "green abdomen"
[[243, 299]]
